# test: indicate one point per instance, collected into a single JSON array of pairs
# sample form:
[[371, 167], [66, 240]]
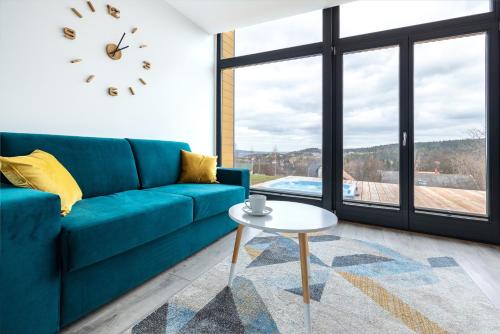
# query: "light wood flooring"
[[480, 261], [456, 200]]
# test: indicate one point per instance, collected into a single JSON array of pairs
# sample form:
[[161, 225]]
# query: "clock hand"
[[122, 48], [120, 42]]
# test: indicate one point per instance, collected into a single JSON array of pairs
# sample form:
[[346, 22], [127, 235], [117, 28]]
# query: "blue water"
[[309, 187]]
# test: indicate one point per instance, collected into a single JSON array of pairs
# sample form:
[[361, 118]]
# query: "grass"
[[259, 178]]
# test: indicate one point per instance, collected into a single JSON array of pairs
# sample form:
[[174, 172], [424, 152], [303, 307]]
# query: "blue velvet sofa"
[[134, 222]]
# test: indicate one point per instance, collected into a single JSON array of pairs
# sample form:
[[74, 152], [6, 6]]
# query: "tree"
[[476, 133], [472, 160]]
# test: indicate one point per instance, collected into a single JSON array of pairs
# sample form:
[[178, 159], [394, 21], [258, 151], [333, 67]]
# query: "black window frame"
[[324, 49], [456, 225]]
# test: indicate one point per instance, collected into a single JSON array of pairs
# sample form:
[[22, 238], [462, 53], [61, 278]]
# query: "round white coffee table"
[[288, 217]]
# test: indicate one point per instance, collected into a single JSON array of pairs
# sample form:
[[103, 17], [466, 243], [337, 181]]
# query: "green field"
[[259, 178]]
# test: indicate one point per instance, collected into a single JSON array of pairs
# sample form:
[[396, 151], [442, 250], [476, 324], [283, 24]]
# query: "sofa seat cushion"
[[101, 227], [209, 199]]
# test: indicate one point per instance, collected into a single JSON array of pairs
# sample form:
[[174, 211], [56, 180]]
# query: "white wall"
[[42, 92]]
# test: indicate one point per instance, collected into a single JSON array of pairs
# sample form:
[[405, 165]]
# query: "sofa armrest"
[[29, 260], [235, 176]]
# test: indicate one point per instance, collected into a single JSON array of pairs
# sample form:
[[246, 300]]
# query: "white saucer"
[[267, 210]]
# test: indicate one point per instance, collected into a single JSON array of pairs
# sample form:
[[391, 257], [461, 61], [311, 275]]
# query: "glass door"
[[413, 132], [449, 160], [452, 115], [371, 127], [372, 136], [417, 119]]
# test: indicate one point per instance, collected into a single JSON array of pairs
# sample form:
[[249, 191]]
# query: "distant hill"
[[244, 153], [454, 145], [306, 151], [454, 157], [306, 162], [458, 145], [464, 157]]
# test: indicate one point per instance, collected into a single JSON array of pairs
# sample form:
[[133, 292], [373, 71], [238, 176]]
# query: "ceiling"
[[216, 16]]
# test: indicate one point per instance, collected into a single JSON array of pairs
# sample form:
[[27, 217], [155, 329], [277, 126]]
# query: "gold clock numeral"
[[91, 6], [134, 30], [112, 91], [142, 81], [77, 13], [90, 78], [69, 33], [76, 60], [131, 90], [147, 65], [113, 11]]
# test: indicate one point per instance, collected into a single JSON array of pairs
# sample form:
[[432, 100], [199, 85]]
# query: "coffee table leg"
[[304, 266], [236, 249], [308, 263]]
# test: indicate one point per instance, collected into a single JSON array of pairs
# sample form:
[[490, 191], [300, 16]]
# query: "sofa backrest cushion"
[[100, 166], [158, 162]]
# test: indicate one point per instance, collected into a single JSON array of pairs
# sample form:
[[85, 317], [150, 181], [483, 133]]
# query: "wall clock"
[[113, 50]]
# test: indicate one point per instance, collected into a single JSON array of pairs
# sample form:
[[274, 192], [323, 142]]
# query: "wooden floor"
[[456, 200], [480, 261]]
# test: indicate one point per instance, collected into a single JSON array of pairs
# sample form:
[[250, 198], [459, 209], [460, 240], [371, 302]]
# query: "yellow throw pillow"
[[41, 171], [198, 168]]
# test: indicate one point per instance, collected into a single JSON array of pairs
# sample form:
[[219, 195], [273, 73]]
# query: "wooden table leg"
[[236, 250], [304, 266]]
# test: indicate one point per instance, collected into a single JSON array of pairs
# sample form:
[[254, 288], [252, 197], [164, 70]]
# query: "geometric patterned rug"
[[356, 287]]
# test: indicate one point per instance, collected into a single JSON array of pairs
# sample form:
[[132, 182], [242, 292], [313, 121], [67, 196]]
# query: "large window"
[[387, 112], [271, 112], [278, 124]]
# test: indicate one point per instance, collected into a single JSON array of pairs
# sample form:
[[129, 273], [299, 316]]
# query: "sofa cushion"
[[209, 199], [101, 227], [158, 162], [100, 166], [41, 170], [198, 168]]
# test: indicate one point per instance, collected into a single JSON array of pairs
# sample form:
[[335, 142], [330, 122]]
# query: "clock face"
[[116, 50]]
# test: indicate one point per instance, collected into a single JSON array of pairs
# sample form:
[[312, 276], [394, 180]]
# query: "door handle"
[[404, 138]]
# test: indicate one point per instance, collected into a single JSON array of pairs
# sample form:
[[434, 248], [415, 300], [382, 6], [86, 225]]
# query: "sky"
[[279, 105]]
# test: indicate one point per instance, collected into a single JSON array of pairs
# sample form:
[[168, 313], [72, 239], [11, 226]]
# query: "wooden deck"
[[457, 200], [438, 198]]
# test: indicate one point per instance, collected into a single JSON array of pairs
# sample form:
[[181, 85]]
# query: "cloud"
[[291, 31], [280, 104], [450, 99], [360, 17]]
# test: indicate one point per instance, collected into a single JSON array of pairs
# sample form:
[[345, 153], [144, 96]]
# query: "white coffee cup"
[[257, 203]]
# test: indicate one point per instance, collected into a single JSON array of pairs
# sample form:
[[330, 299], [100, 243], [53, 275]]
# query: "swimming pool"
[[308, 187], [300, 186]]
